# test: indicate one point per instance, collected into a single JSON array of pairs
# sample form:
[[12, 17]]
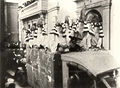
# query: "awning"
[[96, 62]]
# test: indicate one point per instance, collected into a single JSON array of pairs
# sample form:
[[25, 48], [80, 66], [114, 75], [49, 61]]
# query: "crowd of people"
[[66, 36]]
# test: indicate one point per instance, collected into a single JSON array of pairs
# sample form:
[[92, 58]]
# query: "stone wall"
[[43, 68]]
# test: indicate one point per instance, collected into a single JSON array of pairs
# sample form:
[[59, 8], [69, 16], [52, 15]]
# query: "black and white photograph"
[[59, 44]]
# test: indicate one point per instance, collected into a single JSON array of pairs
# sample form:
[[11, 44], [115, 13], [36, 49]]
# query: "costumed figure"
[[84, 42], [32, 36], [63, 43], [40, 24], [44, 41], [92, 36], [74, 38], [101, 35], [28, 32], [54, 39]]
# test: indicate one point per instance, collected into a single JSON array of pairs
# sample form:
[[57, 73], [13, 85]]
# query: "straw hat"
[[54, 31]]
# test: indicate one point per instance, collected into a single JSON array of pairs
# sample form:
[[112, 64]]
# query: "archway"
[[95, 26], [93, 16]]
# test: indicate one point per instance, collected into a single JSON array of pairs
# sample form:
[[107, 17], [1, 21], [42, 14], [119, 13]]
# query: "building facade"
[[102, 8], [51, 10], [11, 22]]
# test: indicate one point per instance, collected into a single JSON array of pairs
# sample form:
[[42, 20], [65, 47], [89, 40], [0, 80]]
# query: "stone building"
[[51, 10], [55, 10], [11, 22], [102, 8]]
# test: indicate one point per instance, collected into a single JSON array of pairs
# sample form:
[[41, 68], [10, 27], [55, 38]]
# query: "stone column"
[[106, 27]]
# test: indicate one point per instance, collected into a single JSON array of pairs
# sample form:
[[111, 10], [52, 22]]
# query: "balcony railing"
[[29, 7], [29, 2]]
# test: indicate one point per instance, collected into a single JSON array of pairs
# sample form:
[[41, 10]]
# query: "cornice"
[[53, 9]]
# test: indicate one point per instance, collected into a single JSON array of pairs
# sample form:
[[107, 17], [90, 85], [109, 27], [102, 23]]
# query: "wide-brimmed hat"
[[101, 27], [44, 32], [35, 35], [74, 26], [63, 25], [101, 34], [58, 24], [28, 31], [54, 31], [27, 39], [85, 29], [31, 37]]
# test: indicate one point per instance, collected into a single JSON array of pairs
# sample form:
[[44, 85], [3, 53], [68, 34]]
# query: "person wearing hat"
[[27, 38], [40, 24], [35, 36], [63, 45], [75, 38], [93, 34], [85, 43], [44, 38], [96, 33], [10, 83], [101, 35], [28, 34], [80, 27], [54, 38]]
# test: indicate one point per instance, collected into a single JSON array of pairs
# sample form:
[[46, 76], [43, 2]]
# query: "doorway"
[[79, 78]]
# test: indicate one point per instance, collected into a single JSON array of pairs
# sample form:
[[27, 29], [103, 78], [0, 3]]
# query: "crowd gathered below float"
[[67, 36]]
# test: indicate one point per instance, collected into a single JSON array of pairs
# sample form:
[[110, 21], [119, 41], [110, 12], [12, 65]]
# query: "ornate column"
[[106, 26]]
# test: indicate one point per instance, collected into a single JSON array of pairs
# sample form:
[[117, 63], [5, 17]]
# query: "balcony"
[[33, 9]]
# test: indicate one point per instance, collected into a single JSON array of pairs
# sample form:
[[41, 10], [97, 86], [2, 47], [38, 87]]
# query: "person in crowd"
[[32, 35], [101, 35], [96, 35], [40, 24], [63, 42], [74, 38], [10, 83], [44, 38], [54, 38], [85, 34], [28, 32], [92, 36]]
